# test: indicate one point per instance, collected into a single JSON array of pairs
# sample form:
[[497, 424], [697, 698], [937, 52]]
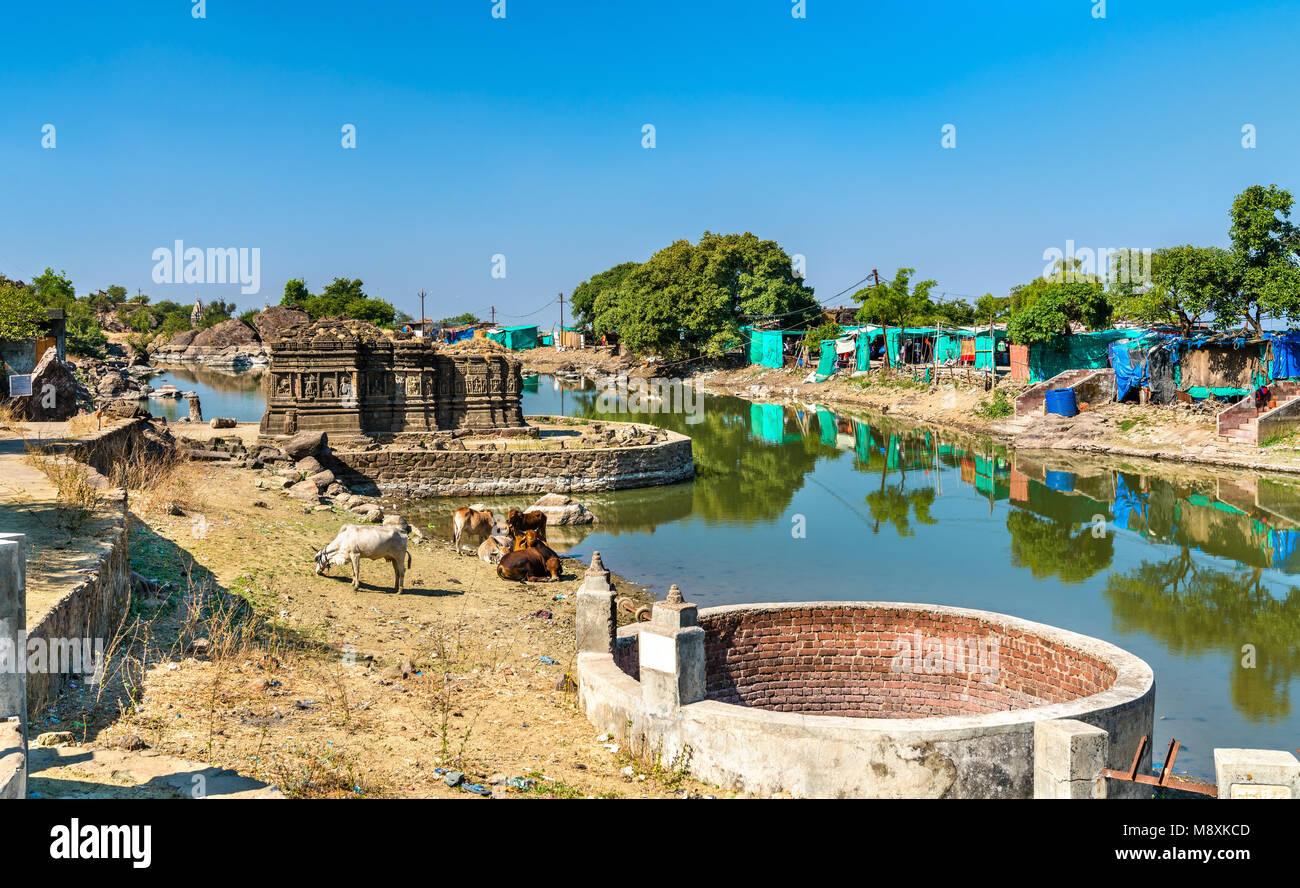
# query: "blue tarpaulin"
[[1128, 375], [1286, 355]]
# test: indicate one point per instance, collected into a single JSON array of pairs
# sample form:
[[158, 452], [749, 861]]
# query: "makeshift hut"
[[515, 338]]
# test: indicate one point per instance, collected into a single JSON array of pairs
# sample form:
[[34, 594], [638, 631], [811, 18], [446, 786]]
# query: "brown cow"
[[467, 519], [536, 561], [518, 522]]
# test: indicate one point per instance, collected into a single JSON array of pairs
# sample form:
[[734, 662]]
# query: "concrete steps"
[[1240, 422]]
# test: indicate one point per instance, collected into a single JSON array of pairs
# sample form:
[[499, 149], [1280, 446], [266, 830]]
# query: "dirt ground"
[[248, 660]]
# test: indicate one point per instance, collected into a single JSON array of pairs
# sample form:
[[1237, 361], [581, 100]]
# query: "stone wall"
[[93, 608], [418, 472]]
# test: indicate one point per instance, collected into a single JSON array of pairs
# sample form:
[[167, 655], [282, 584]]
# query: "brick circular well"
[[891, 661]]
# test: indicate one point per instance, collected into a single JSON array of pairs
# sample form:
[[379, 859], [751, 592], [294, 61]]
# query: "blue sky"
[[522, 136]]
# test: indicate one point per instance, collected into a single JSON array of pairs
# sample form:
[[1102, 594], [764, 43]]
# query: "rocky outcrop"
[[232, 343], [560, 510], [56, 394], [276, 320]]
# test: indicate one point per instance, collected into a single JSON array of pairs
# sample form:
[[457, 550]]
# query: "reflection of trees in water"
[[1192, 609], [736, 477], [891, 505], [1057, 548]]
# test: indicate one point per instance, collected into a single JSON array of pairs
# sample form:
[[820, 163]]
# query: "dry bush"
[[163, 483], [77, 497], [9, 417]]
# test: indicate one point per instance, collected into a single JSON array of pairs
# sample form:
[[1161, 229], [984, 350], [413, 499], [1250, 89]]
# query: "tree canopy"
[[342, 297], [691, 299]]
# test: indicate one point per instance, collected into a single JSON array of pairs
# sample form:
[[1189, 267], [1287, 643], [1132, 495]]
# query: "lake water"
[[800, 504], [233, 393]]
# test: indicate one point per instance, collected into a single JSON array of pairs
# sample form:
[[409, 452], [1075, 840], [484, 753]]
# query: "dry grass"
[[77, 497], [9, 418], [163, 484], [84, 424]]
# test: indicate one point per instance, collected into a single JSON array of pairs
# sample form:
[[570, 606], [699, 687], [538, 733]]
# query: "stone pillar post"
[[196, 412], [671, 649], [597, 623], [1069, 756], [13, 627], [1256, 774]]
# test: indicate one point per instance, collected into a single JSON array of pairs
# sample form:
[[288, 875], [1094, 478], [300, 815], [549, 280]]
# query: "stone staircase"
[[1241, 422]]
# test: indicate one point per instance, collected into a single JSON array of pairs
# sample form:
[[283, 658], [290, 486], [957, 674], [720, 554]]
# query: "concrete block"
[[597, 619], [1069, 756], [1257, 774]]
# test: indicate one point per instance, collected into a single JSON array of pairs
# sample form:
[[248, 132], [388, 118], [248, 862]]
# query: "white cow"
[[357, 541]]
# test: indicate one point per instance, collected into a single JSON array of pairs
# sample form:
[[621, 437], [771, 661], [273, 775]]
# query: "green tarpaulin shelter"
[[1075, 352], [515, 338]]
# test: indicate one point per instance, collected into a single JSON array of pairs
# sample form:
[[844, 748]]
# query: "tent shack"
[[767, 348], [1041, 361], [515, 338]]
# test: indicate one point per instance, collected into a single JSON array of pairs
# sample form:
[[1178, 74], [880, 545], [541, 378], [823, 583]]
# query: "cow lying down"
[[357, 541], [532, 559]]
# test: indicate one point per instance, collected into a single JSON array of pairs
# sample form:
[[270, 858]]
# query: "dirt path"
[[342, 693]]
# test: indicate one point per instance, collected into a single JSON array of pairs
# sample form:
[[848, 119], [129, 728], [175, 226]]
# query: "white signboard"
[[20, 386]]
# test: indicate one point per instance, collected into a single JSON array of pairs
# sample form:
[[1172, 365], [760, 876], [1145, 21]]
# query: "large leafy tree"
[[21, 311], [689, 300], [1187, 285], [1266, 247], [84, 335], [584, 296]]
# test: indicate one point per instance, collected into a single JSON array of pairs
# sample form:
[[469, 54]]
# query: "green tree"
[[812, 340], [1187, 284], [215, 312], [460, 320], [1265, 244], [689, 300], [584, 296], [21, 311], [896, 303], [295, 294]]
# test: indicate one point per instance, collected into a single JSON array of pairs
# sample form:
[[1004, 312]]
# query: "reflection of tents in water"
[[767, 423]]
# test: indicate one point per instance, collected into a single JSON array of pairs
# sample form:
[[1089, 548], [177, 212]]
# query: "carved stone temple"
[[349, 378]]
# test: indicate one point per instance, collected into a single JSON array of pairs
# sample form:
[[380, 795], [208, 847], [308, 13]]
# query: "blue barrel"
[[1062, 402]]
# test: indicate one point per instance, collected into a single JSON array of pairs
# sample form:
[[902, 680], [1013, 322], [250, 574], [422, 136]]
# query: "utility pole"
[[561, 311], [494, 316], [424, 325]]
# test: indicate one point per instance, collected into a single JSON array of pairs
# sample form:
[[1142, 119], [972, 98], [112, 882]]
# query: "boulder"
[[322, 479], [54, 390], [226, 334], [304, 444], [308, 465], [304, 490], [273, 321], [222, 422], [560, 510], [181, 340]]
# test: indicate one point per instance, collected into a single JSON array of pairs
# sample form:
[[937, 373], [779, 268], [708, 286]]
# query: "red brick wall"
[[842, 661]]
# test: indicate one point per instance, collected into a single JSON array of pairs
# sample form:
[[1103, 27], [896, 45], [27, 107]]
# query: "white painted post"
[[1256, 774], [671, 650], [1069, 756], [597, 622]]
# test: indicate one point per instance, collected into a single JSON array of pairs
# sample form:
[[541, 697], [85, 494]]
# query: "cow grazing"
[[493, 549], [357, 541], [518, 522], [536, 561], [476, 522]]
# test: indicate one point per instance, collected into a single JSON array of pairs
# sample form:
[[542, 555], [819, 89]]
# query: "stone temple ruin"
[[349, 379]]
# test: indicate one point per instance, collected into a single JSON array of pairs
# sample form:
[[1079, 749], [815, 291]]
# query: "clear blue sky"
[[522, 136]]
